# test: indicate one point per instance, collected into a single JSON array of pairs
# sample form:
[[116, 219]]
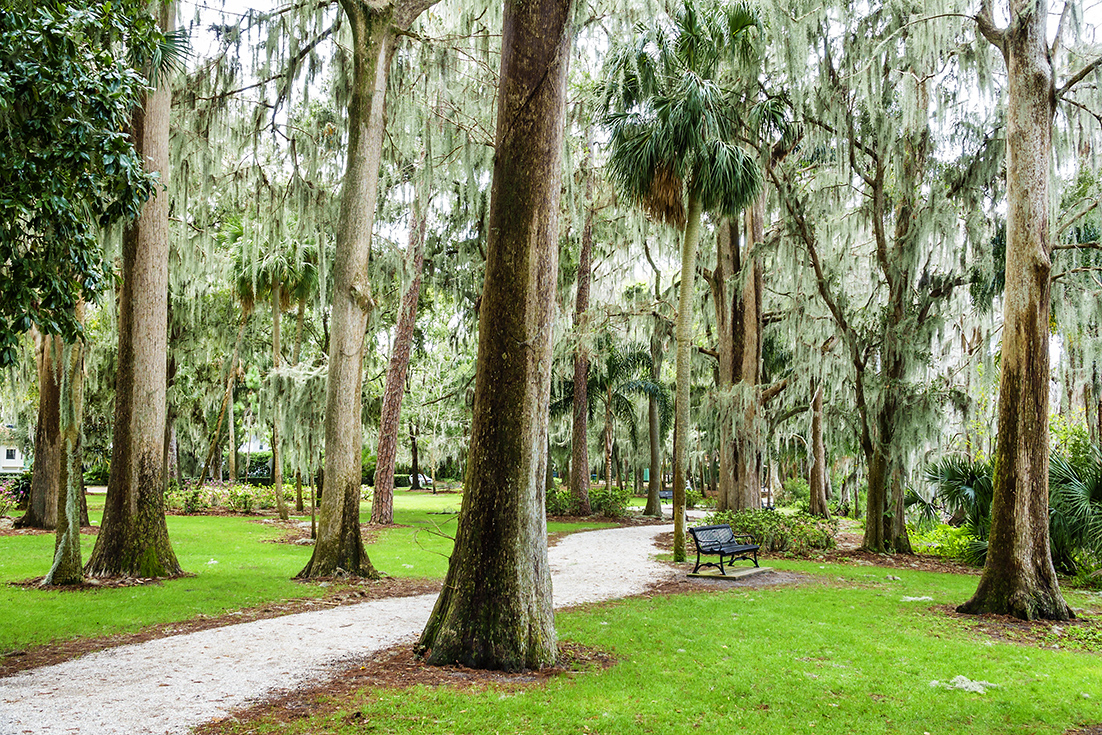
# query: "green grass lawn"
[[845, 654], [232, 566]]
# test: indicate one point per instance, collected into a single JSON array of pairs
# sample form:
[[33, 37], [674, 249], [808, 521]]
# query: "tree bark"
[[382, 499], [495, 610], [48, 442], [277, 451], [415, 465], [579, 438], [133, 538], [69, 361], [654, 485], [1019, 578], [817, 479], [690, 241], [339, 542]]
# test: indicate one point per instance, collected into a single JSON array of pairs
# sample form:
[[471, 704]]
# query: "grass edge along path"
[[853, 652], [235, 573]]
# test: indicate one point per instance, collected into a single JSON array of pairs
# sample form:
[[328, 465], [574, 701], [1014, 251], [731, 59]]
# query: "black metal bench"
[[665, 494], [722, 541]]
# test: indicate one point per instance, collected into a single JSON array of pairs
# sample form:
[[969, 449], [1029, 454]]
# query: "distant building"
[[11, 456]]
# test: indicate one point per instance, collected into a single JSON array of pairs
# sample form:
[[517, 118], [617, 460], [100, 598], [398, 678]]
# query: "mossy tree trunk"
[[496, 610], [579, 437], [1019, 578], [45, 474], [817, 477], [69, 366], [133, 537], [339, 542], [277, 451], [654, 485]]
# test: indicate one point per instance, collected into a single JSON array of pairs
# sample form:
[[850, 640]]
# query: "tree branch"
[[1078, 77], [985, 21]]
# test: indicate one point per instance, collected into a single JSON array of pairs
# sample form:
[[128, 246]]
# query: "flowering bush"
[[14, 492]]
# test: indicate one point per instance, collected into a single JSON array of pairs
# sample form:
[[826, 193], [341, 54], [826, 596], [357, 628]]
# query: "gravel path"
[[170, 685]]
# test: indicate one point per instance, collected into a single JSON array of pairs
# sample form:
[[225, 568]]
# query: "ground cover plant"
[[233, 563], [849, 649]]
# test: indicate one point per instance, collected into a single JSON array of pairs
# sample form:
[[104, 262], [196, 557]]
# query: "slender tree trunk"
[[231, 455], [415, 465], [277, 450], [1019, 578], [133, 538], [608, 438], [69, 361], [684, 372], [747, 331], [495, 610], [579, 438], [48, 443], [382, 499], [654, 486], [340, 543], [818, 475]]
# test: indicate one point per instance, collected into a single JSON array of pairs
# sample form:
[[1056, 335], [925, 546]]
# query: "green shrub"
[[693, 498], [796, 534], [611, 502], [941, 540], [796, 492], [97, 474], [240, 498], [560, 502]]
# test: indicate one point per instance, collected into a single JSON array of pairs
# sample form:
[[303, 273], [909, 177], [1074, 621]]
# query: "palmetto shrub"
[[964, 487]]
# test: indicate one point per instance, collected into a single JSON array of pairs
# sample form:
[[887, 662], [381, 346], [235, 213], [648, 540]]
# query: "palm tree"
[[672, 145], [1075, 504]]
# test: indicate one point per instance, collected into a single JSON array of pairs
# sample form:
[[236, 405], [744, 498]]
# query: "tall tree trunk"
[[654, 436], [231, 453], [495, 610], [382, 499], [48, 442], [300, 325], [69, 362], [415, 465], [340, 543], [277, 450], [747, 329], [1019, 578], [133, 537], [689, 245], [608, 437], [579, 437], [818, 475]]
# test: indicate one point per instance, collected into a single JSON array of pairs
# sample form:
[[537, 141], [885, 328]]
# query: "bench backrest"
[[709, 537]]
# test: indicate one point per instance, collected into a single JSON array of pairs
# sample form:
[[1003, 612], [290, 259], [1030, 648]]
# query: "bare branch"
[[1072, 271], [1078, 77], [1079, 246]]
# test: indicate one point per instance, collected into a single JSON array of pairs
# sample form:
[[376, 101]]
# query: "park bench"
[[722, 541], [665, 494]]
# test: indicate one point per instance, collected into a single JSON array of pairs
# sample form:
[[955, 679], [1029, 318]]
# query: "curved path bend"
[[173, 684]]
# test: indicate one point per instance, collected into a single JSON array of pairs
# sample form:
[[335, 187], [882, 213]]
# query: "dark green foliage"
[[611, 502], [672, 125], [560, 502], [797, 534], [1075, 505], [67, 166], [97, 474]]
